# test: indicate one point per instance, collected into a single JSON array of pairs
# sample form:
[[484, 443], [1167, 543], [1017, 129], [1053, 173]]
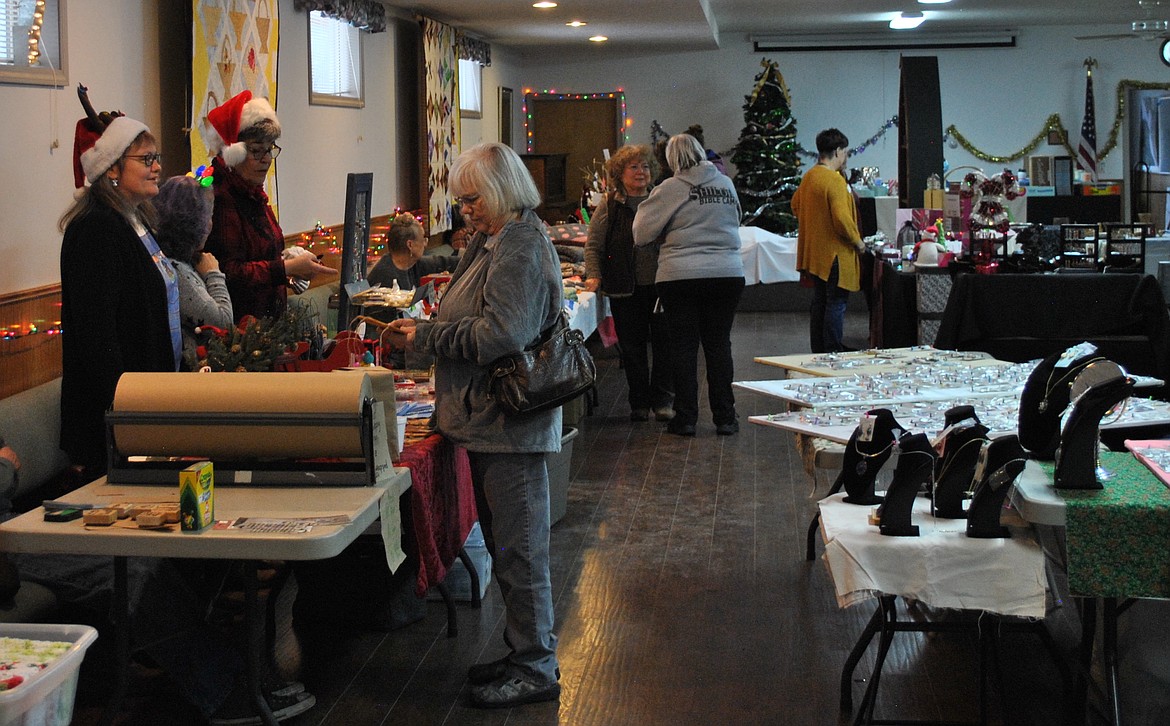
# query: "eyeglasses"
[[149, 159], [259, 154], [467, 200]]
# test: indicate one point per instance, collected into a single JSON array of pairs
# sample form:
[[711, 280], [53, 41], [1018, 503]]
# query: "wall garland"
[[1054, 124]]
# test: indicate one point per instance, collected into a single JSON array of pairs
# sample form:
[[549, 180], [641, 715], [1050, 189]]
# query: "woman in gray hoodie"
[[694, 217], [505, 291]]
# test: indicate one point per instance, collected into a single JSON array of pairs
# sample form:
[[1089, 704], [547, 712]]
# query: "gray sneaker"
[[237, 712], [513, 691], [664, 413], [483, 673]]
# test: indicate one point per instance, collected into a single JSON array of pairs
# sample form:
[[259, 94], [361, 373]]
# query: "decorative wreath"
[[987, 197]]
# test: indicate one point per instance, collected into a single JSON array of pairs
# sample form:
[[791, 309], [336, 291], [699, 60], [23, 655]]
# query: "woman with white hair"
[[506, 290], [694, 218]]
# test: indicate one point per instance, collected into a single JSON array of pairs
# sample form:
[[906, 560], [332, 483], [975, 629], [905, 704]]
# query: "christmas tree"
[[766, 159]]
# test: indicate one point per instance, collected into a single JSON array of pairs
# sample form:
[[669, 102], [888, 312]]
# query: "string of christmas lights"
[[17, 332], [529, 133], [34, 33]]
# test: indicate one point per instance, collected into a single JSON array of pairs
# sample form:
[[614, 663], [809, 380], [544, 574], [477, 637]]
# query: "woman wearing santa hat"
[[119, 293], [245, 236]]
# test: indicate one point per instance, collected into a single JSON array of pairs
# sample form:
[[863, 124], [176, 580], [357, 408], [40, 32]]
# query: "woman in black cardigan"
[[119, 293]]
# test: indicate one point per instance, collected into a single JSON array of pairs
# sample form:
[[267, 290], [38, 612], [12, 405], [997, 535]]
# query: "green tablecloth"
[[1118, 538]]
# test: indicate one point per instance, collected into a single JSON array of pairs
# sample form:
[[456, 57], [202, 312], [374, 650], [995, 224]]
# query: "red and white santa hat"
[[95, 152], [224, 123]]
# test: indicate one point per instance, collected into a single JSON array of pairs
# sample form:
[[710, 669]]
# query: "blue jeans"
[[826, 319], [511, 492]]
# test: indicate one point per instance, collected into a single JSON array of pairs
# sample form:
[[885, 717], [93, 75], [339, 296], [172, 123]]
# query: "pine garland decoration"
[[253, 344]]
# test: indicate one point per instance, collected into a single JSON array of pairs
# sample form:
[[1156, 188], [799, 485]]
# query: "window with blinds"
[[8, 31], [335, 62], [32, 42], [470, 89]]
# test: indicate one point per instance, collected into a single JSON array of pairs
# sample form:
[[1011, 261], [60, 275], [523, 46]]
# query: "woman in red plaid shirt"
[[245, 236]]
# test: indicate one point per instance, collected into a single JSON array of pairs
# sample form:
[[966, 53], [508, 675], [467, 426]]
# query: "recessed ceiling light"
[[598, 38], [544, 5], [576, 23], [907, 20], [933, 2]]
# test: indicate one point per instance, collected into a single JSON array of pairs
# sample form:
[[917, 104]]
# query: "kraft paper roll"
[[382, 386], [307, 394]]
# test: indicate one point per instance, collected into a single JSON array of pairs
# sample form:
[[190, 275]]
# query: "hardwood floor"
[[682, 597]]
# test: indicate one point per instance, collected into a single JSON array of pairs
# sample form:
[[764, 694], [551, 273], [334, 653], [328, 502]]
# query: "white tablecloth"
[[944, 568], [767, 257], [587, 312]]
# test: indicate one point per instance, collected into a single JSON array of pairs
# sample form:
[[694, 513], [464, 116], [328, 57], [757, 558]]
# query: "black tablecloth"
[[1024, 317], [893, 308]]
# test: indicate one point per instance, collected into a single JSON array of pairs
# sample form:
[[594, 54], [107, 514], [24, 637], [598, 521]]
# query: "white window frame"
[[335, 62], [52, 69], [470, 89]]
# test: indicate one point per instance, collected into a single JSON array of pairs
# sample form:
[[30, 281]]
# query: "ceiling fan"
[[1148, 28]]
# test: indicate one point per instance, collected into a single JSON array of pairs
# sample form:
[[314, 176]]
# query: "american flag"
[[1087, 149]]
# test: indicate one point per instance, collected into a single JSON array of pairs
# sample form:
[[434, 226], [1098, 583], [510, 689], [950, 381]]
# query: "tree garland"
[[889, 124], [1054, 123]]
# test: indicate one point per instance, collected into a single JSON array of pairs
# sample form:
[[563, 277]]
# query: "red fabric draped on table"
[[442, 505]]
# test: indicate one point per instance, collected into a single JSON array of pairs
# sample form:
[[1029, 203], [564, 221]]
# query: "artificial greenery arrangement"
[[253, 344]]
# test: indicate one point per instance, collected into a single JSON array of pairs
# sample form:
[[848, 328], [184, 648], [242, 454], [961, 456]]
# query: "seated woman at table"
[[406, 261], [626, 275], [184, 221], [506, 291]]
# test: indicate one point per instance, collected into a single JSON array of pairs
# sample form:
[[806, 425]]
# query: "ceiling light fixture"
[[576, 23], [544, 5], [933, 2], [907, 20], [598, 38]]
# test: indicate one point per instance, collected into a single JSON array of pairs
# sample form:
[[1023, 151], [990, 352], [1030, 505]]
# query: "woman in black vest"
[[626, 276]]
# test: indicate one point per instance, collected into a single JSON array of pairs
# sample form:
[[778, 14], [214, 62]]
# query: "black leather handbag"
[[554, 370]]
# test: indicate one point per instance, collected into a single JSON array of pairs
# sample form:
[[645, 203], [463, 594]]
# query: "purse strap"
[[559, 325]]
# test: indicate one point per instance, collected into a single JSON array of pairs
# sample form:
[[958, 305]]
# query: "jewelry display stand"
[[955, 469], [864, 458], [1043, 401], [1000, 462], [1095, 391], [915, 467]]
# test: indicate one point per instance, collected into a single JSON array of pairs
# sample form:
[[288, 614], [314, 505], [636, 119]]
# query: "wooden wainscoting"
[[30, 344]]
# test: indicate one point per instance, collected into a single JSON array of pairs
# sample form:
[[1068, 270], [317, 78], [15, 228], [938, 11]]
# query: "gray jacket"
[[696, 215], [505, 291]]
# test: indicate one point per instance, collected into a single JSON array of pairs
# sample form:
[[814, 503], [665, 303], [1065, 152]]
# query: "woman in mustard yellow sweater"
[[827, 242]]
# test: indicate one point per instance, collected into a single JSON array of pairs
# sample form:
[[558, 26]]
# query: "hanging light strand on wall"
[[619, 95], [34, 33]]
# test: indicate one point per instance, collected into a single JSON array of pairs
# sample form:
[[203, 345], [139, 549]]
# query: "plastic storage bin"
[[46, 700], [458, 581]]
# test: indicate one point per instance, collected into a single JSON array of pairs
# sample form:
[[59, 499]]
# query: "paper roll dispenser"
[[259, 428]]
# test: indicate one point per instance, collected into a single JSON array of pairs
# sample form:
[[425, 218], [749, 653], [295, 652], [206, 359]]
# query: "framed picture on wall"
[[505, 116]]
